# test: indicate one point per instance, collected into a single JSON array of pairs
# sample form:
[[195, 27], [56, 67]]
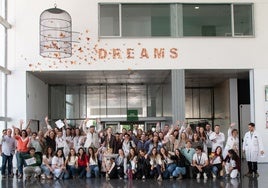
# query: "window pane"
[[96, 101], [109, 20], [57, 102], [206, 20], [2, 8], [243, 20], [2, 126], [205, 103], [2, 46], [136, 99], [155, 101], [153, 19], [2, 94], [116, 101], [75, 102]]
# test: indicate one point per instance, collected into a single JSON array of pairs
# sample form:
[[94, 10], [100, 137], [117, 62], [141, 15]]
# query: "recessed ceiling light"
[[196, 7]]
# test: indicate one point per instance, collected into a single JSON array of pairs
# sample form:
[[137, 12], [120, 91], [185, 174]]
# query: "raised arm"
[[47, 123]]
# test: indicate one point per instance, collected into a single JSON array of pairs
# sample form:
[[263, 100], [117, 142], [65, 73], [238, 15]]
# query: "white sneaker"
[[159, 178], [205, 176], [143, 177], [198, 176], [214, 176]]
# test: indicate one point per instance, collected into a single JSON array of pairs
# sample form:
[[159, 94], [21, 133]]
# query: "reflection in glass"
[[206, 19], [154, 19], [243, 20], [109, 20]]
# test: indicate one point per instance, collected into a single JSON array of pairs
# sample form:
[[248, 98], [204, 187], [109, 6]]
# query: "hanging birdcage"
[[55, 33]]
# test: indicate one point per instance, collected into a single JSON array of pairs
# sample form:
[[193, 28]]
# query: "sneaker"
[[256, 174], [214, 176], [198, 176], [28, 178], [205, 176], [11, 175], [20, 176], [170, 177], [159, 178], [143, 177], [3, 176], [43, 176], [248, 174], [180, 177]]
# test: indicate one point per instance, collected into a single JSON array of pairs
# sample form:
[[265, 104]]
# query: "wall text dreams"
[[143, 53]]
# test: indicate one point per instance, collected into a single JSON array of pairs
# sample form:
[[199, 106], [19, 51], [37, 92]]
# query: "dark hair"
[[252, 124], [89, 154], [69, 155], [234, 130], [199, 148], [46, 152], [26, 134], [83, 155], [234, 154], [58, 151], [32, 148]]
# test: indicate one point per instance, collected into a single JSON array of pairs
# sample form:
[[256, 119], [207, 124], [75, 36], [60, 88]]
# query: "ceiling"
[[193, 78]]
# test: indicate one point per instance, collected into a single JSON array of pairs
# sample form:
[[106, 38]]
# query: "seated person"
[[200, 163], [232, 164], [33, 162], [112, 172]]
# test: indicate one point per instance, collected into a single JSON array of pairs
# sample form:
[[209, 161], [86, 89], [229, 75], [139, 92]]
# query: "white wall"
[[194, 52], [16, 97], [36, 98], [261, 106]]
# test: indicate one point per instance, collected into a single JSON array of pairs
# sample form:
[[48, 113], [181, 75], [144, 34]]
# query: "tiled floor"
[[243, 182]]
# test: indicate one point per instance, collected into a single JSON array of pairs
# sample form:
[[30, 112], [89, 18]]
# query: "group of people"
[[176, 151]]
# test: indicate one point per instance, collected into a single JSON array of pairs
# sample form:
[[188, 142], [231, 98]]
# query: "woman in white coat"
[[253, 147], [232, 141]]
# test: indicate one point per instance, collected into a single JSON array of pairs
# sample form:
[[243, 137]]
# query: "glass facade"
[[105, 101], [154, 20], [206, 20], [109, 20], [3, 64], [199, 103], [165, 20], [243, 20], [2, 94], [2, 46]]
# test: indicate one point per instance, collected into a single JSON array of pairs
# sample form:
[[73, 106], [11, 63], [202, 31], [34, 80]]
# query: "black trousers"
[[252, 167]]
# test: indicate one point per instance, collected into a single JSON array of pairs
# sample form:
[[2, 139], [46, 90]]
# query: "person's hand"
[[232, 124], [21, 122]]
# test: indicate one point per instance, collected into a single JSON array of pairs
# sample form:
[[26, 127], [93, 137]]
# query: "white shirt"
[[8, 145], [200, 159], [217, 140]]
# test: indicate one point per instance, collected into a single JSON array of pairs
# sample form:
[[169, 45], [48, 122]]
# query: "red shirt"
[[82, 161], [22, 143]]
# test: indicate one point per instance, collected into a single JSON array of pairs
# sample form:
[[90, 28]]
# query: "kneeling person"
[[33, 162]]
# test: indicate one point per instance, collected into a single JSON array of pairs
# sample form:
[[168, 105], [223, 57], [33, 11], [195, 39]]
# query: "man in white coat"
[[253, 147], [217, 138]]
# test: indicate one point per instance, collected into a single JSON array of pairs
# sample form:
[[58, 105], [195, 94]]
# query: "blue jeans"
[[20, 161], [169, 170], [179, 170], [45, 169], [93, 169], [71, 172], [6, 161]]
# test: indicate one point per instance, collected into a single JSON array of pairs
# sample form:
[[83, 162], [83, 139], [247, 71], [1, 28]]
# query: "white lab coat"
[[232, 143], [217, 140], [252, 146]]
